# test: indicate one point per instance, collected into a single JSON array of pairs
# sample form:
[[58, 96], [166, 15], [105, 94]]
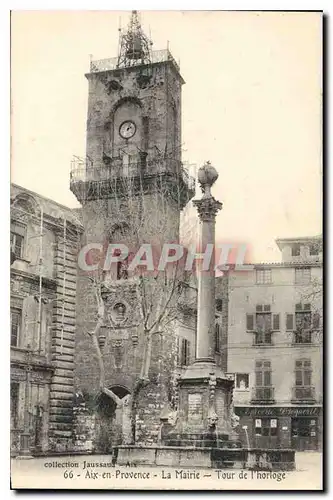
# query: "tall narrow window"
[[263, 374], [16, 244], [303, 320], [263, 334], [15, 326], [263, 381], [303, 372], [217, 337], [184, 352], [303, 377]]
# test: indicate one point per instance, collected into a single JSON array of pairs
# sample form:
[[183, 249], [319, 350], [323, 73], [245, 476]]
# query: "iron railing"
[[109, 64], [263, 394], [303, 393], [262, 338], [302, 337], [81, 171]]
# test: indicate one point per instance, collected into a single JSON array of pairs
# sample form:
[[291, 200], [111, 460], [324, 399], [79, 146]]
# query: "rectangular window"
[[14, 403], [217, 337], [264, 322], [296, 250], [185, 352], [303, 321], [314, 249], [16, 244], [263, 334], [302, 275], [263, 373], [15, 326], [264, 276], [303, 373], [266, 427], [242, 381]]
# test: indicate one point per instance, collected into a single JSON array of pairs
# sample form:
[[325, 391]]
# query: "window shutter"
[[289, 322], [259, 379], [276, 322], [250, 322], [316, 320], [298, 377], [307, 377], [179, 347], [267, 378]]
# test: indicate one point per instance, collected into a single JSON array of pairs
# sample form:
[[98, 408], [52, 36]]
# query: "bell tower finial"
[[134, 45]]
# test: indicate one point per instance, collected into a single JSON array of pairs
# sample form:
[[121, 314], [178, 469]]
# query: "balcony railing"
[[81, 171], [262, 338], [263, 395], [302, 337], [303, 393], [109, 64]]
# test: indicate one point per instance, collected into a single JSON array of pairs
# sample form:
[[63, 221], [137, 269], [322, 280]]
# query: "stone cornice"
[[33, 278]]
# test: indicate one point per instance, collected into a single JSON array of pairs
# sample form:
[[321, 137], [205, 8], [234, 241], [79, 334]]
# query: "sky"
[[251, 105]]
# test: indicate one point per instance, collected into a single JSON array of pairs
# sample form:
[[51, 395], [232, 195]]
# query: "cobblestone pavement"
[[72, 472]]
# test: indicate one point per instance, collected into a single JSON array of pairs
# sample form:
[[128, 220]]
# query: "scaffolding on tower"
[[134, 45]]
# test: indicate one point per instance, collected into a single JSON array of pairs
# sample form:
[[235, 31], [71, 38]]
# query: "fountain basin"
[[219, 458]]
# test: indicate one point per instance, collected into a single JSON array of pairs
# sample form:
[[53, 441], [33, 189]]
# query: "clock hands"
[[127, 130]]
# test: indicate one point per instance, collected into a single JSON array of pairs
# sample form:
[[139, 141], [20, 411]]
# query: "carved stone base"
[[204, 408]]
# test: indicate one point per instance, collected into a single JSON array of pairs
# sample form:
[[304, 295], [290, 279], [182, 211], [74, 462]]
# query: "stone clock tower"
[[132, 186]]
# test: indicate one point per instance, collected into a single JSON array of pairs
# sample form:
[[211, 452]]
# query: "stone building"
[[132, 186], [275, 347], [44, 242]]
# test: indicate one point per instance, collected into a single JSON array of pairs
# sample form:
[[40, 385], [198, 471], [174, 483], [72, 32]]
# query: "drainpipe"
[[25, 452]]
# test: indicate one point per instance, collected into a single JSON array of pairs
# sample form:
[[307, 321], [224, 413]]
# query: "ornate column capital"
[[207, 208]]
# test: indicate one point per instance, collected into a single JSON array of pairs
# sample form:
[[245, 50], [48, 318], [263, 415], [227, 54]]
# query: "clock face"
[[127, 129]]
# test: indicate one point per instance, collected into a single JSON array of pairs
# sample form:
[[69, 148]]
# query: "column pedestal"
[[204, 391]]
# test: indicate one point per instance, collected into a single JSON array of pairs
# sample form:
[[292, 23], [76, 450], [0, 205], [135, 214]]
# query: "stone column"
[[207, 209]]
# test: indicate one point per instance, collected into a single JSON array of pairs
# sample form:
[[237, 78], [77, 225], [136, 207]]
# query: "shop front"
[[299, 428]]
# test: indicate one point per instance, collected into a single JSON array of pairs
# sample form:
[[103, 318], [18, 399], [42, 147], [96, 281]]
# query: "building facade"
[[275, 347], [44, 242], [132, 186]]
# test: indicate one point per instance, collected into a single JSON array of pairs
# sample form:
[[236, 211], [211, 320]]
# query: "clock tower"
[[132, 186]]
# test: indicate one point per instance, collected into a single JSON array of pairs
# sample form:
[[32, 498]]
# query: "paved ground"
[[73, 472]]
